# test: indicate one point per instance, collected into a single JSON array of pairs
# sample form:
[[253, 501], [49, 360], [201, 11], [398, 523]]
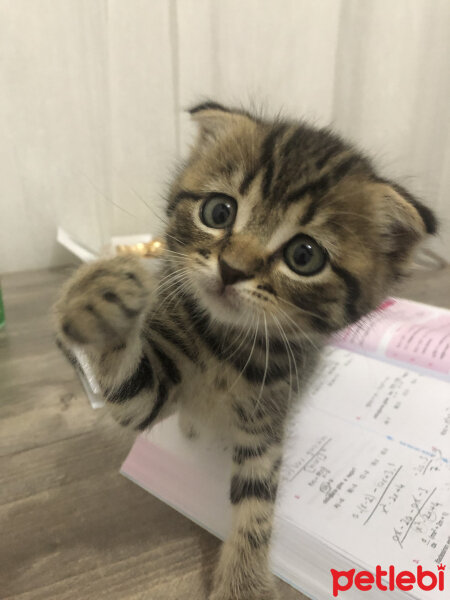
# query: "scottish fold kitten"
[[278, 234]]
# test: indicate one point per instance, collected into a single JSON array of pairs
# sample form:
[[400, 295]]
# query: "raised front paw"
[[103, 303]]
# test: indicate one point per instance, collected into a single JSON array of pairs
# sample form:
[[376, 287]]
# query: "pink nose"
[[230, 275]]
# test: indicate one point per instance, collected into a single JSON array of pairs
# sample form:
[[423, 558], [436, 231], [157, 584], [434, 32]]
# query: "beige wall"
[[92, 93]]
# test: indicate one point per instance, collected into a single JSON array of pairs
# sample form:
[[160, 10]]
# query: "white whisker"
[[298, 328], [266, 366], [290, 353], [249, 357]]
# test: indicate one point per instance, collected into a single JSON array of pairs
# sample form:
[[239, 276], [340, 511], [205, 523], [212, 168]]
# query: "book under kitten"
[[278, 234]]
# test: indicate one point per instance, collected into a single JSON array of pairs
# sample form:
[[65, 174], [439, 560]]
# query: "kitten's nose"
[[230, 275]]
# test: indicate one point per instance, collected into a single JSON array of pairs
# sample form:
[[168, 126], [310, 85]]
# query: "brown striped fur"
[[229, 334]]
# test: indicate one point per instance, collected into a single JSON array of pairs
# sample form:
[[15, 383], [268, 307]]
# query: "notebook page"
[[373, 500], [403, 332], [367, 465]]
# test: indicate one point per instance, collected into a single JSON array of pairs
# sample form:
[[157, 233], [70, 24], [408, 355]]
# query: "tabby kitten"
[[278, 234]]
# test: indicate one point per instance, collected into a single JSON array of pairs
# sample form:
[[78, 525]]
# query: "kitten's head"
[[283, 221]]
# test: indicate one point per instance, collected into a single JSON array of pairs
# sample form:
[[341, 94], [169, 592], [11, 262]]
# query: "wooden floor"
[[71, 527]]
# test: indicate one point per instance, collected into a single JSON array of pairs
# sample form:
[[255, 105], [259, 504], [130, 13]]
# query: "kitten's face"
[[286, 225]]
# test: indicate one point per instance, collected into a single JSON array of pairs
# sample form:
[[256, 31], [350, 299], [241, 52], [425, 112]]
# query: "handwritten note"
[[372, 498], [387, 399]]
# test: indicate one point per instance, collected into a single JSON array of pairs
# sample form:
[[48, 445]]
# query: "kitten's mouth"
[[227, 296], [223, 300]]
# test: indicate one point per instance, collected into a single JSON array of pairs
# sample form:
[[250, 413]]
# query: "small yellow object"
[[151, 249]]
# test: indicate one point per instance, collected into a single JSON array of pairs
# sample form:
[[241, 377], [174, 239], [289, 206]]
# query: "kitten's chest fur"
[[208, 395], [228, 371]]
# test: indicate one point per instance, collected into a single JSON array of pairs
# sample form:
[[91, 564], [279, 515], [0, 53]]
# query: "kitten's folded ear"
[[403, 221], [215, 119]]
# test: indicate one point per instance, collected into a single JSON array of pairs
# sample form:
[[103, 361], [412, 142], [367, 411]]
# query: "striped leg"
[[243, 572], [102, 310]]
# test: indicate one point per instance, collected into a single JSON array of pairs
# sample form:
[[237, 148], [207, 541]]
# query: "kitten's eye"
[[219, 211], [304, 255]]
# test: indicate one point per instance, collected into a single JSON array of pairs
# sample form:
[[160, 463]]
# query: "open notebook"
[[366, 473]]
